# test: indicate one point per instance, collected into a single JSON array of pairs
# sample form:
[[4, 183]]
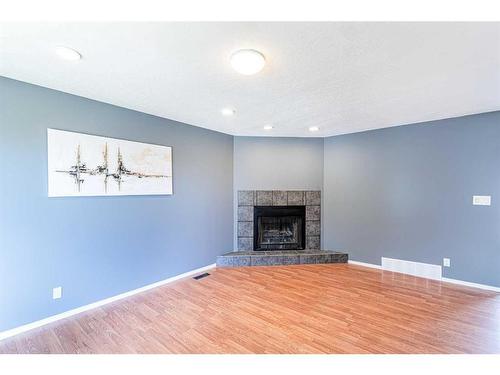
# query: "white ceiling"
[[342, 77]]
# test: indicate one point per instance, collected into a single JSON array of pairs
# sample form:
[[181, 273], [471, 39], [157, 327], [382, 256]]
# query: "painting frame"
[[88, 165]]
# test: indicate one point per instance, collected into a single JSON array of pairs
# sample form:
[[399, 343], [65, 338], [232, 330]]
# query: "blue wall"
[[265, 163], [406, 192], [97, 247]]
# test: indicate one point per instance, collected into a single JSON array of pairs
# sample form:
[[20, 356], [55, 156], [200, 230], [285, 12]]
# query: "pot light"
[[247, 61], [67, 53], [228, 112], [268, 127], [313, 129]]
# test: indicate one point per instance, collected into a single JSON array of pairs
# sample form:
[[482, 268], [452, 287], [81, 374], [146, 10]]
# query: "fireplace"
[[279, 228], [278, 201]]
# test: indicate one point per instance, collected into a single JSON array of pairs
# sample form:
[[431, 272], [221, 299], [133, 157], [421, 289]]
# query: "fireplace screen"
[[279, 228]]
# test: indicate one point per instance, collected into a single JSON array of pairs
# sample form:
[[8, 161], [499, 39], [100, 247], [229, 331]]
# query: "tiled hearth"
[[248, 199], [275, 258]]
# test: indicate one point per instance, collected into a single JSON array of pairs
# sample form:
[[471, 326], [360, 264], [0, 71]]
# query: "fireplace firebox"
[[279, 228]]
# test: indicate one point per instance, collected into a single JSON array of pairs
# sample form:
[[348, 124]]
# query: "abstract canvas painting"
[[88, 165]]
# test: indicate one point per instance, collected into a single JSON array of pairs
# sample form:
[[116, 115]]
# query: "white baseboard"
[[78, 310], [472, 285], [443, 279], [355, 262]]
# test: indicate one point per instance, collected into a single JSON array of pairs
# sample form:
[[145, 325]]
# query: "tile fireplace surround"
[[248, 199]]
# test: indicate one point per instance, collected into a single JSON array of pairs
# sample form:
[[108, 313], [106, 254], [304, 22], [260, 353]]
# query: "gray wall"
[[265, 163], [97, 247], [406, 192]]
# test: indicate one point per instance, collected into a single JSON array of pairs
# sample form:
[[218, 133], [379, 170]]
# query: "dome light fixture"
[[228, 112], [67, 53], [268, 127], [313, 129], [247, 61]]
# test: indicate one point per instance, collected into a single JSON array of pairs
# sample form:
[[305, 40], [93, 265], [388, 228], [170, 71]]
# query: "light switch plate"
[[481, 200], [446, 262], [57, 292]]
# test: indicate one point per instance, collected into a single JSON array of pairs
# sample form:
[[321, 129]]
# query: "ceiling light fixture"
[[313, 129], [67, 53], [247, 61], [268, 127], [227, 112]]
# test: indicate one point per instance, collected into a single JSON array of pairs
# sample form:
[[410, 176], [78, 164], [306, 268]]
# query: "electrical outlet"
[[481, 200], [57, 292], [446, 262]]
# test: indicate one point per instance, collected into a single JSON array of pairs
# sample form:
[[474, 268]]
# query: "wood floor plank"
[[324, 308]]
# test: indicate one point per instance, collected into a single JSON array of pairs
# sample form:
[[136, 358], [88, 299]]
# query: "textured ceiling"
[[342, 77]]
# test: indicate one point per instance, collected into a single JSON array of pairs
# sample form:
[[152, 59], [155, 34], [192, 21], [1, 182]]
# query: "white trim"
[[78, 310], [443, 279], [355, 262], [472, 285]]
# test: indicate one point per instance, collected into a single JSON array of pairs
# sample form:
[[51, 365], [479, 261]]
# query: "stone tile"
[[237, 253], [313, 228], [325, 258], [266, 260], [312, 242], [275, 260], [245, 243], [240, 253], [280, 198], [319, 258], [259, 260], [310, 259], [241, 261], [313, 198], [329, 259], [264, 198], [337, 258], [341, 258], [245, 213], [313, 213], [295, 198], [224, 261], [245, 229], [246, 198], [291, 259]]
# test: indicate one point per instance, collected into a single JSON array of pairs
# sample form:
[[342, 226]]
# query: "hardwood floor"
[[330, 308]]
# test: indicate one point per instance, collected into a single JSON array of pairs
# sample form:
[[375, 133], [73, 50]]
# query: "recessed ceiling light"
[[228, 112], [268, 127], [247, 61], [67, 53], [313, 129]]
